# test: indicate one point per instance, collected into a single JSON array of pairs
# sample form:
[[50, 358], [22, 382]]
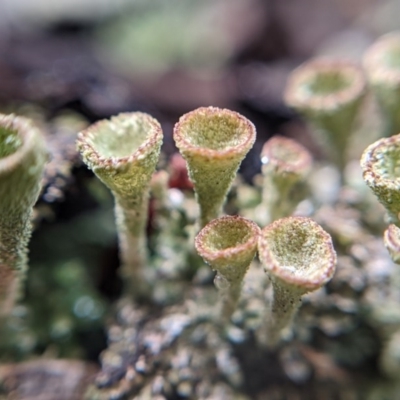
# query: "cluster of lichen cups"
[[295, 252], [330, 93], [123, 153]]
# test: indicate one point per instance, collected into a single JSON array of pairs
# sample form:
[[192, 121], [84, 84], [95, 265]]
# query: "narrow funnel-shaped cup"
[[380, 163], [123, 153], [298, 256], [329, 93], [214, 142], [228, 244], [22, 159], [382, 65], [285, 163]]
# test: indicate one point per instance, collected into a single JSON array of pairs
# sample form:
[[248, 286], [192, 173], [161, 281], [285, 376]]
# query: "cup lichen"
[[298, 256], [213, 142], [123, 153], [380, 163], [329, 93], [23, 156], [285, 163], [382, 65], [228, 244]]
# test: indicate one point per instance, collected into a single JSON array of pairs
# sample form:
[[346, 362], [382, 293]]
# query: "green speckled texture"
[[20, 184], [298, 257], [228, 244], [123, 152], [381, 171], [214, 142]]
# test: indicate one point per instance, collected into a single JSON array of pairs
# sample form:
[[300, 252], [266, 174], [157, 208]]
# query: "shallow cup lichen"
[[284, 164], [329, 93], [380, 163], [382, 65], [214, 142], [23, 156], [228, 244], [298, 256], [123, 153]]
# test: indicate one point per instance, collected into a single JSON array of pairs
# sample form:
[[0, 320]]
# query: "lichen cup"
[[285, 163], [329, 93], [23, 156], [213, 142], [123, 152], [228, 244], [382, 65], [298, 257], [380, 163]]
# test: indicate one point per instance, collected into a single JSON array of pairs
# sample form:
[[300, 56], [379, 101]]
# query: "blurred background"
[[167, 57]]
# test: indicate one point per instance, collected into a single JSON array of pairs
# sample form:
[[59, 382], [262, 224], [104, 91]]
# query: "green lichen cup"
[[23, 156], [285, 164], [123, 152], [298, 257], [213, 142], [380, 163], [329, 93], [228, 244], [382, 65]]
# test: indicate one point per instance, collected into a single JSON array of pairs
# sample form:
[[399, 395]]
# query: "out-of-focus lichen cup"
[[329, 93]]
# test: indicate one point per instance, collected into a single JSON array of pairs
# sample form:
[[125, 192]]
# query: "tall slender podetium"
[[214, 142], [123, 153], [23, 156], [298, 256]]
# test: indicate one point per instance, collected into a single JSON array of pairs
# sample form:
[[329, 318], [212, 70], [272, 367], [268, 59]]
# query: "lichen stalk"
[[382, 65], [298, 257], [329, 93], [285, 163], [380, 163], [228, 244], [391, 239], [23, 156], [213, 142], [123, 153]]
